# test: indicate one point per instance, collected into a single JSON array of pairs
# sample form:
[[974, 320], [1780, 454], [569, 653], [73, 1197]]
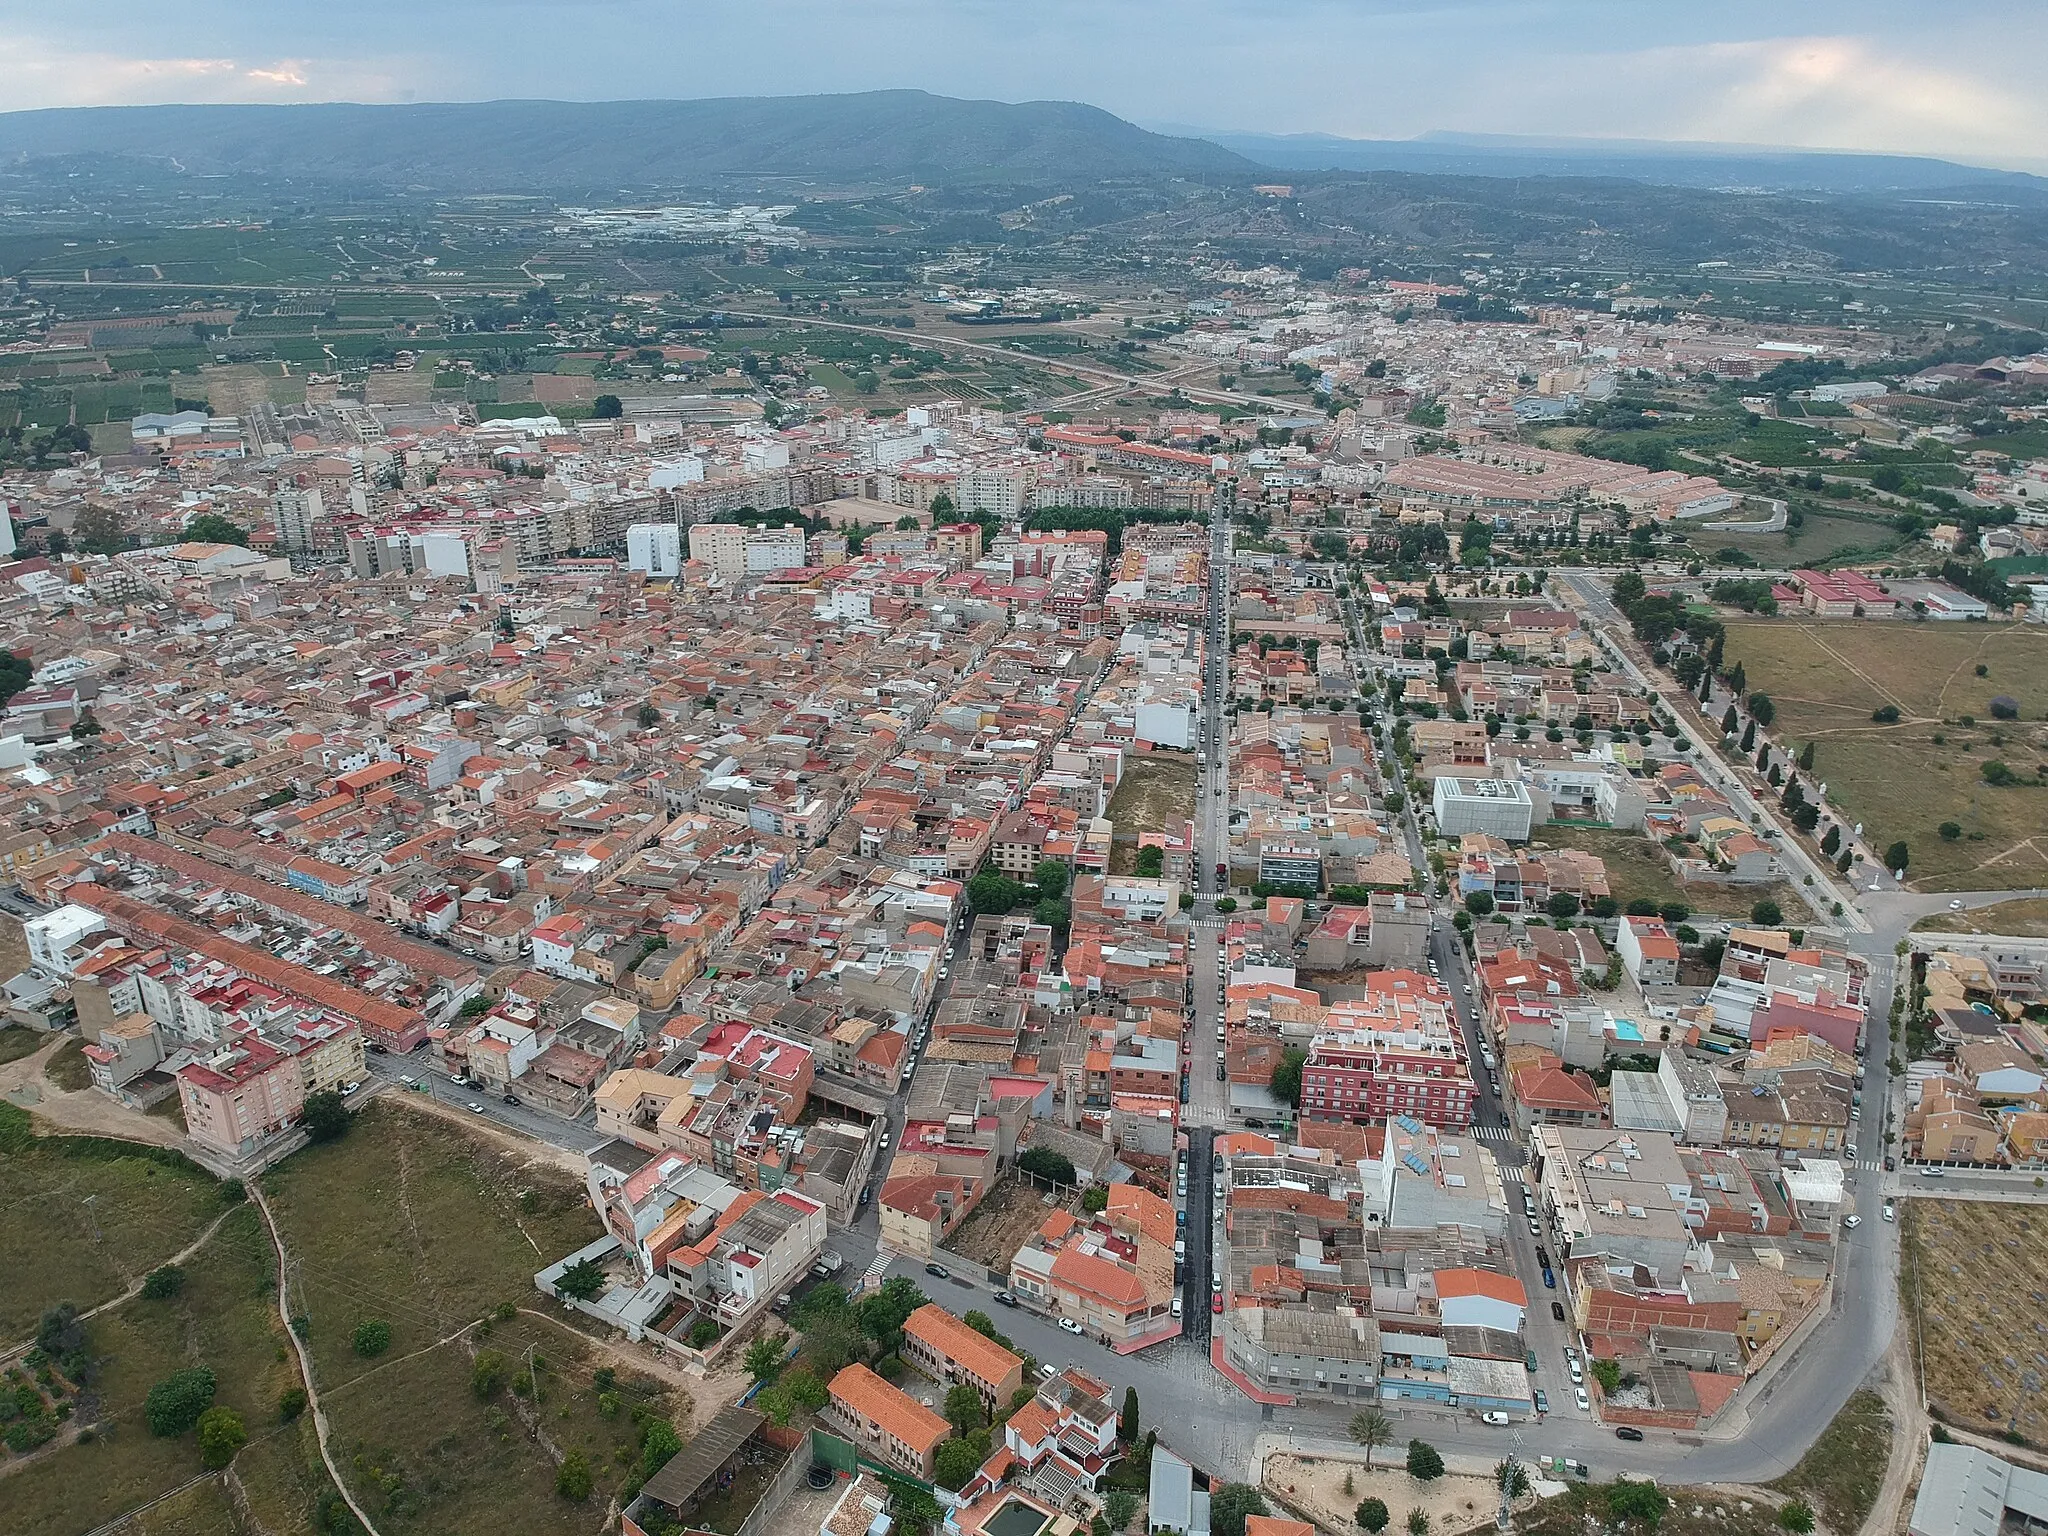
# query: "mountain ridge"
[[862, 136]]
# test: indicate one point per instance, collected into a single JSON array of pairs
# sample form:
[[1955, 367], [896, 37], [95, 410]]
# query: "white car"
[[476, 1109], [1852, 1222], [1955, 906], [1068, 1325], [1493, 1416], [1585, 1403]]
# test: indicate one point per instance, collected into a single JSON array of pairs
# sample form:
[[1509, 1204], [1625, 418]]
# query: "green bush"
[[221, 1434], [372, 1338], [162, 1284], [175, 1403]]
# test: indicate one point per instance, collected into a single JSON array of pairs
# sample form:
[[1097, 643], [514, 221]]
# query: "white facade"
[[1498, 807], [1169, 722], [735, 550], [53, 935], [655, 549]]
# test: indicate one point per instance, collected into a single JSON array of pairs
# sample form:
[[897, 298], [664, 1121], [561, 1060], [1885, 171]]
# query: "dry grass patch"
[[1826, 679], [2014, 919], [1315, 1486], [998, 1227]]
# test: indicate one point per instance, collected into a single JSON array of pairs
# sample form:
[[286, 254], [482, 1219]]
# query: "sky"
[[1964, 79]]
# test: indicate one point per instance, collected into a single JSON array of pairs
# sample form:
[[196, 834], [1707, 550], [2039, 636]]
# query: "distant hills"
[[554, 146], [1745, 166]]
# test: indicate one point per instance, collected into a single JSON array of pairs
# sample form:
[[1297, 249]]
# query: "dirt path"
[[305, 1359], [704, 1395], [85, 1110], [1901, 1392]]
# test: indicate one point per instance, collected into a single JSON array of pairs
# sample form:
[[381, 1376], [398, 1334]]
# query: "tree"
[[1418, 1522], [212, 528], [326, 1116], [765, 1356], [1729, 722], [647, 717], [1886, 714], [1806, 758], [1095, 1199], [162, 1284], [572, 1477], [658, 1444], [1050, 878], [1797, 1516], [1479, 903], [1949, 832], [954, 1462], [1425, 1462], [1151, 862], [1226, 904], [1562, 904], [371, 1338], [1119, 1507], [175, 1403], [1230, 1505], [1644, 1502], [1508, 1471], [1286, 1079], [581, 1281], [1371, 1515], [963, 1409], [1833, 840], [1765, 914], [1606, 907], [607, 408], [1371, 1428], [1044, 1163], [1608, 1374], [992, 892], [1748, 743], [100, 530], [1127, 1421], [221, 1434], [1898, 856]]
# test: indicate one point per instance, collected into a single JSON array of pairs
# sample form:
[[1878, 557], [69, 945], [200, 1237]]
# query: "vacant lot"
[[1000, 1224], [1638, 871], [1155, 794], [414, 1222], [1904, 780], [2027, 919], [1975, 1279], [1819, 541]]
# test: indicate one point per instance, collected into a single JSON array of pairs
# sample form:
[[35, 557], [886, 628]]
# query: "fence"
[[777, 1493]]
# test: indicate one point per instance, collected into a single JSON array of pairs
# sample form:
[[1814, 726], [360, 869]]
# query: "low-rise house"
[[947, 1350], [889, 1425]]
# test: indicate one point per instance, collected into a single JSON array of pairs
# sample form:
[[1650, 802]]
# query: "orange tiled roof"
[[953, 1340], [899, 1414]]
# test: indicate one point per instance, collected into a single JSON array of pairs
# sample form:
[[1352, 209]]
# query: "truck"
[[829, 1264]]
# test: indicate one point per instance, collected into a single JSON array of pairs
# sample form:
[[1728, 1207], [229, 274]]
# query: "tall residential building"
[[738, 550], [655, 549], [296, 509]]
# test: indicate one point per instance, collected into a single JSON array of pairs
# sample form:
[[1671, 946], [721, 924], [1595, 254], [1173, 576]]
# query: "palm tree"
[[1370, 1428]]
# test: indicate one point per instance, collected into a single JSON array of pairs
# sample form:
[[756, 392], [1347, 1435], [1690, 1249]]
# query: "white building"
[[54, 937], [655, 549], [738, 550], [1498, 807]]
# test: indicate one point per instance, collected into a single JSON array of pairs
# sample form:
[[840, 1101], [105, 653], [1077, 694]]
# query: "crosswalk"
[[872, 1275], [1869, 1165], [1499, 1135]]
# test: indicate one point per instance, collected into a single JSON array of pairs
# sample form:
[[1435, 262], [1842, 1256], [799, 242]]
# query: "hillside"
[[556, 146]]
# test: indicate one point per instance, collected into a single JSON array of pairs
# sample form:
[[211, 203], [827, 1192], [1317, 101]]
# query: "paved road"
[[578, 1135]]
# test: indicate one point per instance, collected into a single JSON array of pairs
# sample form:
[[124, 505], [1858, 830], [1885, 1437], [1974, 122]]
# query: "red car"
[[1216, 1302]]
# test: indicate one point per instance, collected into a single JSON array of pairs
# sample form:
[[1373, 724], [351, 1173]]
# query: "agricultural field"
[[1904, 780], [410, 1222], [1974, 1276]]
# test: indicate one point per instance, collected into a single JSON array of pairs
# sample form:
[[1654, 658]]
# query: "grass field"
[[410, 1221], [1819, 541], [1974, 1277], [418, 1224], [1826, 679], [2026, 919], [17, 1042], [144, 1212], [1637, 871]]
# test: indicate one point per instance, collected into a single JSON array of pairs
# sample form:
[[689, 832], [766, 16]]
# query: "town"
[[1419, 896]]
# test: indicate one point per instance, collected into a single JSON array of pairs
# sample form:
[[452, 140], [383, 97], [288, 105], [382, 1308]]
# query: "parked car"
[[475, 1108], [1068, 1325], [1557, 1310], [1585, 1402], [938, 1271], [1542, 1256], [1550, 1279], [1493, 1416], [1890, 1213], [511, 1098], [1852, 1222], [1005, 1299], [1216, 1303], [1174, 1307], [1627, 1432], [349, 1088], [1047, 1372], [1542, 1400]]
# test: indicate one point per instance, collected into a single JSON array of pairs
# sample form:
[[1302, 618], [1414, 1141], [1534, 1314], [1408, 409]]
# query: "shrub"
[[1950, 831], [1371, 1515], [290, 1404], [1886, 714], [487, 1374], [221, 1434], [372, 1338], [162, 1284], [1044, 1163], [326, 1117], [2005, 707], [175, 1403], [572, 1477], [1797, 1516], [1765, 914]]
